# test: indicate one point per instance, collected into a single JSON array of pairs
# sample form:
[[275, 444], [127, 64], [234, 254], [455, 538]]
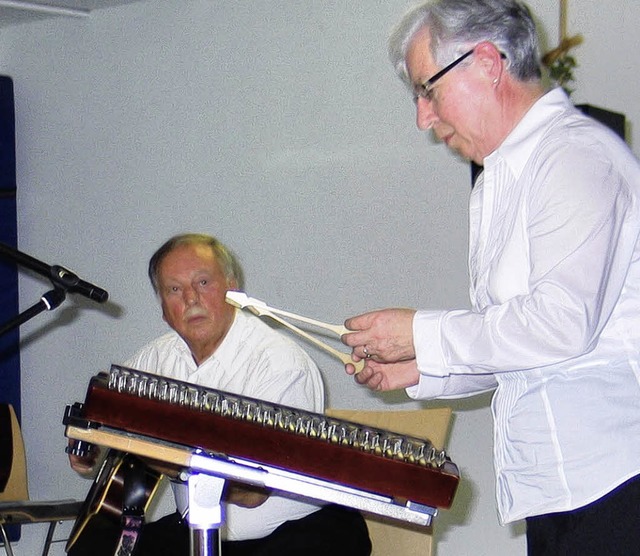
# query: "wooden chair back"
[[13, 483], [391, 536]]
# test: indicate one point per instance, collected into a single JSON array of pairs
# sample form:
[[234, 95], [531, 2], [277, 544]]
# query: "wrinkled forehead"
[[189, 258]]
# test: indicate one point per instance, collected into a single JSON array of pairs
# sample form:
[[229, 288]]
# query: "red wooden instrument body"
[[319, 458]]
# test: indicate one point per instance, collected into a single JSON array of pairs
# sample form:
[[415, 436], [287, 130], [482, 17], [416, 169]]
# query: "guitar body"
[[108, 495]]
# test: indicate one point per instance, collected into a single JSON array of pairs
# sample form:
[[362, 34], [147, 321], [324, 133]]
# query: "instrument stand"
[[207, 473], [205, 514], [49, 301]]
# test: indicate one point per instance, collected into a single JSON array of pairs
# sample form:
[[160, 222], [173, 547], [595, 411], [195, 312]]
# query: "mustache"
[[194, 312]]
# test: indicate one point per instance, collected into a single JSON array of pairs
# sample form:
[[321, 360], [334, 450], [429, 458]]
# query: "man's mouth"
[[195, 314], [446, 139]]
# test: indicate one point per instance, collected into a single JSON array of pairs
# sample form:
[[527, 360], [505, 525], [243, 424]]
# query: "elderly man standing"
[[214, 345], [554, 260]]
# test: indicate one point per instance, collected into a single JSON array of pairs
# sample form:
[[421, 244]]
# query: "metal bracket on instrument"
[[308, 487], [73, 417]]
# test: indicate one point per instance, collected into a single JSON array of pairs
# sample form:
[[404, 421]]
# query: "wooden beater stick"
[[241, 300]]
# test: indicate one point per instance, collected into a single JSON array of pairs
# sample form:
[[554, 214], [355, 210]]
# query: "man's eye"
[[422, 90], [427, 93]]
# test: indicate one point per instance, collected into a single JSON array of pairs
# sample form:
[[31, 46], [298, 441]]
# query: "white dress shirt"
[[255, 361], [554, 263]]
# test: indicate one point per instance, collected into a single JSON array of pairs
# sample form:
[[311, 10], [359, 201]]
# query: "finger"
[[80, 466], [353, 339], [376, 381], [374, 376], [364, 376], [350, 323], [359, 323]]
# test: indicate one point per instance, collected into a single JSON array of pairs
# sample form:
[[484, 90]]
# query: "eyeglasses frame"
[[425, 89]]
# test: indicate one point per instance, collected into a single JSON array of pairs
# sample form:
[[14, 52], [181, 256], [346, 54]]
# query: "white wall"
[[280, 128]]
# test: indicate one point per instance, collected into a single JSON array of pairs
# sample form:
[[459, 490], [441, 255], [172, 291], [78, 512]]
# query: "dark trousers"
[[331, 531], [609, 526]]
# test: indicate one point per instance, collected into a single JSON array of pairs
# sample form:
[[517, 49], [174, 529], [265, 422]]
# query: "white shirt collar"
[[517, 147]]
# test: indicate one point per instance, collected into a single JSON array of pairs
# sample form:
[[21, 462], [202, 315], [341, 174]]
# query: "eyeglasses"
[[425, 90]]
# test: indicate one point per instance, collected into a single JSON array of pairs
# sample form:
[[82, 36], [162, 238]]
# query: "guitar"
[[107, 494]]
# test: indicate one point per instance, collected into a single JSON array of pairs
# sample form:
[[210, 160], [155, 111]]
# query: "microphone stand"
[[63, 281]]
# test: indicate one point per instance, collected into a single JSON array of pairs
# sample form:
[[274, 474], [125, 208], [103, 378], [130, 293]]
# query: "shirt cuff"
[[428, 387], [427, 332]]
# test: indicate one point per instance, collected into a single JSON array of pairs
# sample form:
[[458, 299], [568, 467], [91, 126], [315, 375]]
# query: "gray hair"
[[230, 266], [457, 25]]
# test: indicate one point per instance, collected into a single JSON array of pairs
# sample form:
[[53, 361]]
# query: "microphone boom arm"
[[63, 281]]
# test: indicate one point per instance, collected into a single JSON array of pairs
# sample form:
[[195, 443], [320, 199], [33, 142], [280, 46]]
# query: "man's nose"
[[425, 114], [190, 296]]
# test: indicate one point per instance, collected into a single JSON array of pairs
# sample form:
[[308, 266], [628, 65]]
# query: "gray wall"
[[280, 128]]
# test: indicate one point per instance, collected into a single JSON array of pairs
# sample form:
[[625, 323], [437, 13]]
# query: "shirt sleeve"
[[435, 378], [581, 232], [451, 387]]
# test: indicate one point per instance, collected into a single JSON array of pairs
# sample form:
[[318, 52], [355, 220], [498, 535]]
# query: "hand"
[[245, 496], [387, 376], [384, 336], [86, 465], [171, 470]]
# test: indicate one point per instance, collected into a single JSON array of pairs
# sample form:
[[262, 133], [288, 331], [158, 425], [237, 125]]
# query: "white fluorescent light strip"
[[44, 8]]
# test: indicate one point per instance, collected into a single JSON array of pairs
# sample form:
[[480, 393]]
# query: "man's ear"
[[490, 60]]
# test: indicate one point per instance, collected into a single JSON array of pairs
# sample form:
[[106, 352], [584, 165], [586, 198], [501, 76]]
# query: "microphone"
[[70, 282], [60, 276]]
